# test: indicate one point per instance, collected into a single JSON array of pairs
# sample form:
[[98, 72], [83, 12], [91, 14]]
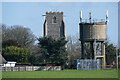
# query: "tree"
[[0, 38], [10, 42], [110, 51], [32, 59], [22, 35], [53, 50], [73, 49], [13, 53]]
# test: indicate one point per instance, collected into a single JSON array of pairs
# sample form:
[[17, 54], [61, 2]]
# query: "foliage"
[[53, 50], [9, 42], [110, 51], [32, 59], [23, 36], [73, 49], [13, 53], [18, 42], [29, 64]]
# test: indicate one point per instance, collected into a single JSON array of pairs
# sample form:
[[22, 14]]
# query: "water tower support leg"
[[103, 54], [92, 50], [83, 49]]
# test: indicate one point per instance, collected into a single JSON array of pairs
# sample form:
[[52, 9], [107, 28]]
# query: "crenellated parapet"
[[54, 12]]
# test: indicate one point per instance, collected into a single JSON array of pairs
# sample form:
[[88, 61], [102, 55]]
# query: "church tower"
[[54, 25]]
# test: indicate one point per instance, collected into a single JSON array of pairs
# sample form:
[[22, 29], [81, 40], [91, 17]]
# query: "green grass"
[[62, 74]]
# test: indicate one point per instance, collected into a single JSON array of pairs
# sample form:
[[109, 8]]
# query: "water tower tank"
[[92, 31]]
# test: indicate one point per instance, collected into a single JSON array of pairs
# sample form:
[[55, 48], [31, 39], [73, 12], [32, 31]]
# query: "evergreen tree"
[[53, 50]]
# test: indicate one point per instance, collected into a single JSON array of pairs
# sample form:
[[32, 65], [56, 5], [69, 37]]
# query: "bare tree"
[[73, 48], [22, 35]]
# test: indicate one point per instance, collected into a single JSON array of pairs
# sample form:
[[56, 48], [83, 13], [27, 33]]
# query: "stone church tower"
[[54, 25]]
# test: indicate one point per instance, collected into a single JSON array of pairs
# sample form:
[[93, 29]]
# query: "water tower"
[[93, 32]]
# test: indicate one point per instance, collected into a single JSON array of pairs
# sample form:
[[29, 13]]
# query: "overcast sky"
[[29, 14]]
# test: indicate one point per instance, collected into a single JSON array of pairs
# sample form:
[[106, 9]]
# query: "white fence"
[[31, 68], [87, 64]]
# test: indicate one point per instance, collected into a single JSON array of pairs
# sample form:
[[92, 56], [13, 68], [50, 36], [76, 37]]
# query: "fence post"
[[32, 67], [5, 68], [18, 68], [25, 68], [11, 68]]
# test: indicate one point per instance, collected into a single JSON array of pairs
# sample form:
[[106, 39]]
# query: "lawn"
[[62, 74]]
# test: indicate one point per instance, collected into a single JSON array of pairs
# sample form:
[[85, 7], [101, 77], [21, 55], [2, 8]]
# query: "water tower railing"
[[92, 21]]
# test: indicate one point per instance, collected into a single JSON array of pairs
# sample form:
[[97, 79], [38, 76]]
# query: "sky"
[[60, 0], [29, 14]]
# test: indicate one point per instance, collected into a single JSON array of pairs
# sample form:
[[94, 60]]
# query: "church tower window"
[[54, 20]]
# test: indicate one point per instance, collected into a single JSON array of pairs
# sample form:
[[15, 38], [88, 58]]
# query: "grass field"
[[62, 74]]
